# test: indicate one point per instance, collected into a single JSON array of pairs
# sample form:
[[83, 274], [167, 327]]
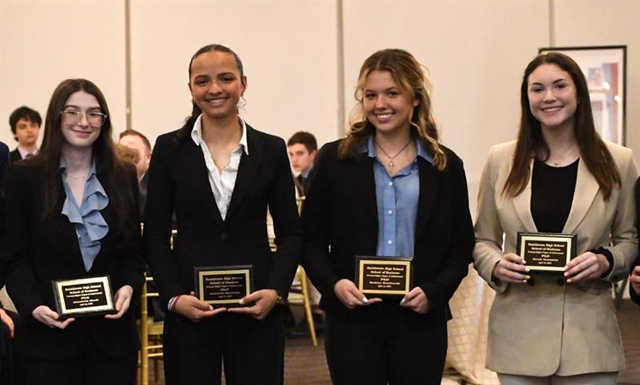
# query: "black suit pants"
[[394, 345], [252, 350]]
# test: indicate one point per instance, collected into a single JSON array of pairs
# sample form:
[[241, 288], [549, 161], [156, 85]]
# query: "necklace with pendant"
[[559, 161], [391, 158]]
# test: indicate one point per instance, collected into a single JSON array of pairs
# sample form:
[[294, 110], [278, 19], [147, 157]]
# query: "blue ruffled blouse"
[[89, 224]]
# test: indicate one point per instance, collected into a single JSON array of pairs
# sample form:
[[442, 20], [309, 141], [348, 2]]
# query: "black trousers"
[[10, 370], [393, 345], [89, 367], [252, 351]]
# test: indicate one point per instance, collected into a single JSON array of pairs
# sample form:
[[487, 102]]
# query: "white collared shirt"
[[222, 183], [24, 153]]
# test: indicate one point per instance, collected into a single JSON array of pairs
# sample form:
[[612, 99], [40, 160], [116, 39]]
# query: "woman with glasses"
[[220, 175], [73, 214]]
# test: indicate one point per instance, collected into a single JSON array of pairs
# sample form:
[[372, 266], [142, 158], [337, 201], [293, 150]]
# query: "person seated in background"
[[127, 154], [302, 148], [137, 141], [25, 126]]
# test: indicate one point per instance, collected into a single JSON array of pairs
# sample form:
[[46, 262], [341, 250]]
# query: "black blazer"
[[15, 156], [4, 163], [340, 220], [178, 180], [40, 251]]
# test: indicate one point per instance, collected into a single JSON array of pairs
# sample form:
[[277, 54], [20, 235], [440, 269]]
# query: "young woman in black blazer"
[[388, 189], [72, 209], [220, 175]]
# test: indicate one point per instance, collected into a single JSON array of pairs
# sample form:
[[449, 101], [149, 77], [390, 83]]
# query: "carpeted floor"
[[306, 364]]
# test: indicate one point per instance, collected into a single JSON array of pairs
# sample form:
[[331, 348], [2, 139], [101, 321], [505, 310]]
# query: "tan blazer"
[[551, 327]]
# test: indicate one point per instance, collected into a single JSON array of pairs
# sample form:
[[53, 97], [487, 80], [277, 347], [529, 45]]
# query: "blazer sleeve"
[[4, 163], [624, 236], [131, 267], [489, 233], [316, 219], [286, 222], [21, 281], [157, 223], [458, 256]]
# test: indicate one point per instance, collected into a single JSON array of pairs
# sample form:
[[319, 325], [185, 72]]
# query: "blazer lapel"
[[429, 185], [198, 176], [585, 192], [522, 204], [68, 239], [365, 190], [247, 170]]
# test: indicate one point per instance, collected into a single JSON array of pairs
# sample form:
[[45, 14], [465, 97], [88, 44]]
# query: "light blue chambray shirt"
[[397, 200], [86, 218]]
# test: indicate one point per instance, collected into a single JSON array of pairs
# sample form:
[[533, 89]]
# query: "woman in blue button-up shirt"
[[388, 189], [73, 214]]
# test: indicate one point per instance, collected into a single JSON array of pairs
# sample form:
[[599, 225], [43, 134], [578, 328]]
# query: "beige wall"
[[45, 42], [292, 50]]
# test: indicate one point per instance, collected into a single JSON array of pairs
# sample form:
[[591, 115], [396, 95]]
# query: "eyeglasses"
[[73, 116]]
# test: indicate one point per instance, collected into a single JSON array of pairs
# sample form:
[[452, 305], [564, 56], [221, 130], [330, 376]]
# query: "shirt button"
[[390, 242], [390, 183], [223, 236], [390, 212]]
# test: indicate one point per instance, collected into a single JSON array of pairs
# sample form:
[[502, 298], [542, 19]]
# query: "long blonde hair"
[[411, 77]]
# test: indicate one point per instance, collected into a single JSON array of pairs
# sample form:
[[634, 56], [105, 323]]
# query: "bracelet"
[[172, 302]]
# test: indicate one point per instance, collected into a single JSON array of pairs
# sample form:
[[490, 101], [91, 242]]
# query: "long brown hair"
[[410, 77], [530, 142], [112, 172]]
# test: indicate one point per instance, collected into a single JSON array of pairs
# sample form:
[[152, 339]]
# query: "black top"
[[552, 190]]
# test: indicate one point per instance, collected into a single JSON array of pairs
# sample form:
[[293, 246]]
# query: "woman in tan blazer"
[[559, 176]]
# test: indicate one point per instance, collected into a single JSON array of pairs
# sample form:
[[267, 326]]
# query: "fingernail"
[[527, 270], [241, 302], [527, 277], [524, 262], [403, 300], [364, 300]]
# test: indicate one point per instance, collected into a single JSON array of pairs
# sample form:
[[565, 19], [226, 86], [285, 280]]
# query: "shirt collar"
[[370, 149], [306, 173], [24, 153], [196, 134]]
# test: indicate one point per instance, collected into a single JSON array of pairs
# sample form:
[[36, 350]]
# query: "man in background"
[[302, 148], [25, 125], [137, 141]]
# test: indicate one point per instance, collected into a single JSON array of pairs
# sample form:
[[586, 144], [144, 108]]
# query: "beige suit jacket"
[[551, 327]]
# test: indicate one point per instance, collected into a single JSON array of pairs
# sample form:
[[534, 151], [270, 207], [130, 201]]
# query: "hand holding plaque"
[[223, 285], [384, 276], [546, 252], [83, 297]]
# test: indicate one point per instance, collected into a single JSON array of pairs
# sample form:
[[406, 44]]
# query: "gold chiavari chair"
[[299, 292], [151, 332]]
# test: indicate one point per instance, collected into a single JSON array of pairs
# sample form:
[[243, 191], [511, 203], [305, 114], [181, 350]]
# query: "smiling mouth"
[[384, 116], [216, 100], [551, 109]]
